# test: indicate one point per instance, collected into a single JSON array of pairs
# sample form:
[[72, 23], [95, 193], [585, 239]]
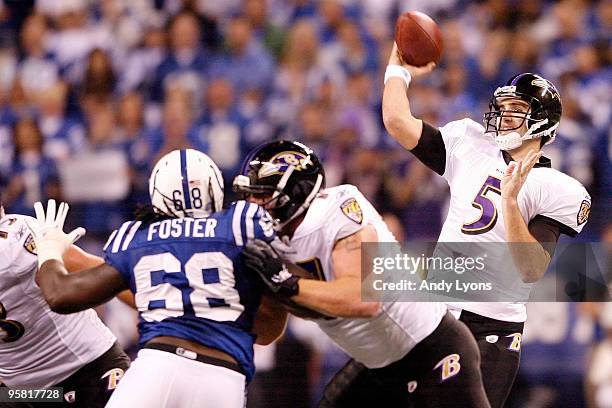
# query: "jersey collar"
[[543, 162]]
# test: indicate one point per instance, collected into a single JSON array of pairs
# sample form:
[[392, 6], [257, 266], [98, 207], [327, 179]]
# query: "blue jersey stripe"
[[243, 222], [121, 235], [130, 235], [185, 180]]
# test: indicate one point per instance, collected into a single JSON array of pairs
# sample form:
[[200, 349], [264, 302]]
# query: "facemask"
[[509, 141]]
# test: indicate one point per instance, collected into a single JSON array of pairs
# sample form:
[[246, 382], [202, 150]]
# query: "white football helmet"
[[186, 183]]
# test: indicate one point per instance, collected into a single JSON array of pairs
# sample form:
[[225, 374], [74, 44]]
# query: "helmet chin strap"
[[514, 140], [509, 141]]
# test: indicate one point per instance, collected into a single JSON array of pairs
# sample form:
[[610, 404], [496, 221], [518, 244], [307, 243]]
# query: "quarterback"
[[199, 307], [501, 190], [40, 348], [402, 352]]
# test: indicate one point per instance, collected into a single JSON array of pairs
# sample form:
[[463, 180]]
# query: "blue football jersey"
[[188, 277]]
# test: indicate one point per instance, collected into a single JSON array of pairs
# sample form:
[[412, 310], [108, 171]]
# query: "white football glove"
[[50, 239]]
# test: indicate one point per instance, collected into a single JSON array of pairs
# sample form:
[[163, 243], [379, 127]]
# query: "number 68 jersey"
[[474, 167], [188, 278]]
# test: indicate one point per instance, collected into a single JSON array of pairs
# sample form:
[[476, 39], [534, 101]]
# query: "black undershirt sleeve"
[[431, 150], [546, 231]]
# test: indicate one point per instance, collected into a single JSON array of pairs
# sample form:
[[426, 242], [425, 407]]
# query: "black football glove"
[[261, 257]]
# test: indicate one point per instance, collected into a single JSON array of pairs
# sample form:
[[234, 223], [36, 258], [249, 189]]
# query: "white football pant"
[[158, 379]]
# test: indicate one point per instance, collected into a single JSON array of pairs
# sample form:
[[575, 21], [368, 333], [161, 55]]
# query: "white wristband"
[[397, 71]]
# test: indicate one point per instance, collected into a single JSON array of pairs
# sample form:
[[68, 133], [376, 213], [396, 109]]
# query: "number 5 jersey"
[[473, 166]]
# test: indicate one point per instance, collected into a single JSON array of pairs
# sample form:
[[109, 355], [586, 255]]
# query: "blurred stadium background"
[[93, 92]]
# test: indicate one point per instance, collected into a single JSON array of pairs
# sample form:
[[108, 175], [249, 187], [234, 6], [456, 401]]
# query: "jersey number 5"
[[204, 286], [10, 330], [488, 212]]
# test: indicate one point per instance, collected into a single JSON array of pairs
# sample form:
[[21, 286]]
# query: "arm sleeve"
[[250, 221], [431, 150], [20, 248], [115, 256], [568, 207], [346, 215], [437, 148], [263, 226], [546, 231]]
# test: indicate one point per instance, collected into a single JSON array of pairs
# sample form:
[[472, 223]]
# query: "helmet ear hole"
[[303, 187], [282, 200], [538, 114]]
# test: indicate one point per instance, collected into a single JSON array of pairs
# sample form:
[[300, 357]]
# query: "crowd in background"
[[92, 93]]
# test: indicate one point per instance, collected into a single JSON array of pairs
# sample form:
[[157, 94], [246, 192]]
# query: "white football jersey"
[[336, 213], [38, 348], [474, 168]]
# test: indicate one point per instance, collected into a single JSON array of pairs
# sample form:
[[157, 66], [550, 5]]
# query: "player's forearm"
[[69, 293], [397, 117], [52, 279], [339, 298], [530, 258], [75, 259]]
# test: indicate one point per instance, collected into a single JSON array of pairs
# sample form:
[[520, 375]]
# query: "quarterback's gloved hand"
[[50, 239], [265, 260]]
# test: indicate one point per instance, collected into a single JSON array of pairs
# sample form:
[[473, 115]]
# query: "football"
[[418, 39]]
